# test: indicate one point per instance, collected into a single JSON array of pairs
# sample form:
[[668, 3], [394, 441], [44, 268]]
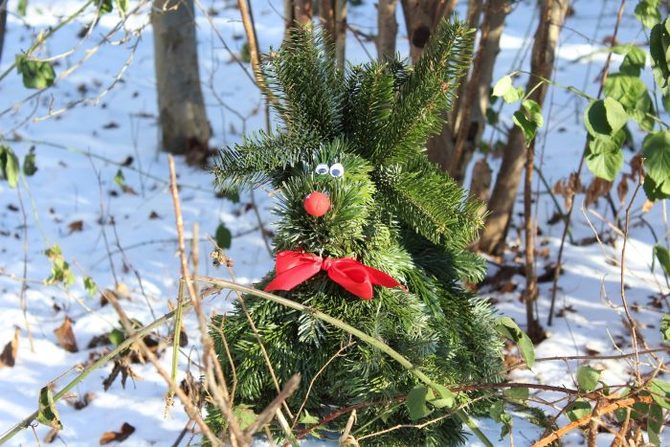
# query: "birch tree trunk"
[[387, 29], [501, 204], [183, 120]]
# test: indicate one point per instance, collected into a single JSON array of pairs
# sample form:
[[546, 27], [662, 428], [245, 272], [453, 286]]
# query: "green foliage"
[[578, 409], [223, 236], [47, 413], [9, 166], [648, 13], [604, 155], [416, 402], [90, 286], [528, 119], [36, 73], [29, 163], [662, 255], [497, 413], [509, 329], [587, 378], [22, 7], [665, 327], [60, 269], [656, 154], [505, 89]]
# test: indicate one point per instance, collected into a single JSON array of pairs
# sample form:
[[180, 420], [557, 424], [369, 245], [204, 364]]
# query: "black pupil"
[[336, 172]]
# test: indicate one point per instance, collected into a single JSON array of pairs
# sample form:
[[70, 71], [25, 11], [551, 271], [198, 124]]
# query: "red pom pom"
[[317, 204]]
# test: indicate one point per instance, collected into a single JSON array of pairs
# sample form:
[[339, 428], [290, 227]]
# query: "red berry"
[[317, 204]]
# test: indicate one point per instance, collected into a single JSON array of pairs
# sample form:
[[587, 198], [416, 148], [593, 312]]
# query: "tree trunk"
[[327, 17], [340, 31], [183, 120], [472, 105], [387, 29], [289, 16], [421, 17], [303, 11], [3, 23], [552, 14]]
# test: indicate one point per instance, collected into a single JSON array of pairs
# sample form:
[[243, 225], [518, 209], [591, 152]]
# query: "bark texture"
[[421, 17], [471, 110], [340, 31], [3, 23], [387, 29], [501, 204], [183, 120], [327, 16], [303, 11]]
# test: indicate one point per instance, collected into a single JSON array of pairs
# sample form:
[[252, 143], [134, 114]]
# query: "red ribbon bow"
[[294, 268]]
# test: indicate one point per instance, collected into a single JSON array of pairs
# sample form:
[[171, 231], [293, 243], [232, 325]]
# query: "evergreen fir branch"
[[307, 83], [260, 159], [428, 91], [370, 97], [430, 202]]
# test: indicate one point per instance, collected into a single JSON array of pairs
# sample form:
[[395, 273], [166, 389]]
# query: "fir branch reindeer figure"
[[368, 231]]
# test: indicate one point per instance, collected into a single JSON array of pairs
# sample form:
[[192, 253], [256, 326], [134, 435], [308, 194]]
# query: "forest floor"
[[101, 193]]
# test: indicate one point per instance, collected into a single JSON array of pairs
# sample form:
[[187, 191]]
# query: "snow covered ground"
[[101, 119]]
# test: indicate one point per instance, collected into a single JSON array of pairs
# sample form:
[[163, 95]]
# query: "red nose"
[[317, 204]]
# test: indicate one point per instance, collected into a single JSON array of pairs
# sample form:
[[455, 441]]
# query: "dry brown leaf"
[[622, 189], [8, 356], [648, 205], [117, 436], [51, 436], [76, 226], [65, 336], [598, 188]]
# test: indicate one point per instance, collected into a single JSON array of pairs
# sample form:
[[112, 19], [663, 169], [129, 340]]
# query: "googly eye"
[[337, 170], [321, 169]]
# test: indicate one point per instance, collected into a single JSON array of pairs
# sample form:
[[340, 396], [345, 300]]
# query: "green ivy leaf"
[[499, 415], [663, 256], [509, 329], [416, 402], [47, 413], [656, 154], [119, 179], [445, 399], [23, 6], [633, 95], [116, 336], [9, 166], [529, 119], [224, 237], [654, 424], [245, 415], [29, 165], [634, 61], [516, 394], [605, 117], [578, 409], [660, 392], [604, 155], [647, 12], [665, 327], [122, 5], [105, 6], [587, 378], [36, 73], [90, 286], [506, 90]]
